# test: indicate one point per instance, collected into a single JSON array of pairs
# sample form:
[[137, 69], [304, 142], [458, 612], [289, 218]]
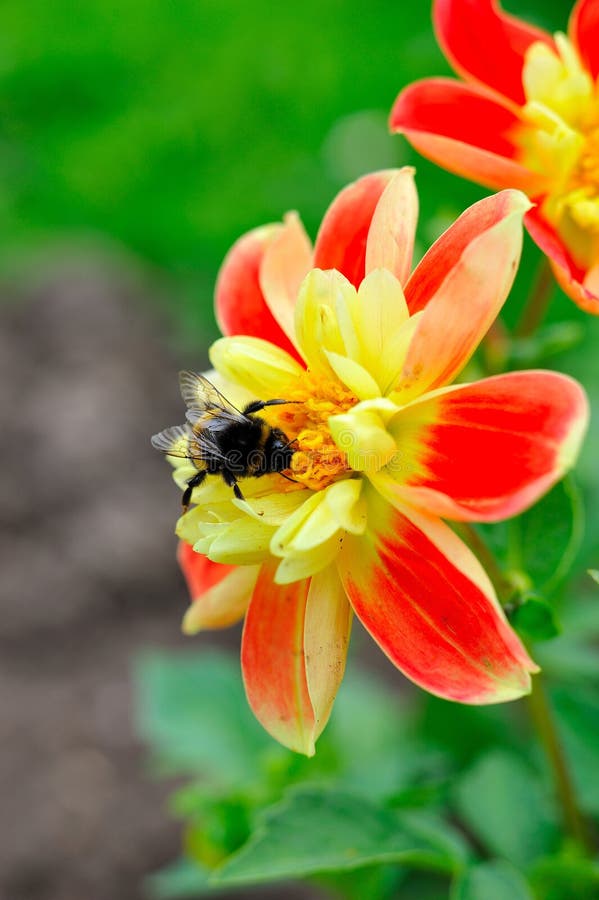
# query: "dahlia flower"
[[385, 448]]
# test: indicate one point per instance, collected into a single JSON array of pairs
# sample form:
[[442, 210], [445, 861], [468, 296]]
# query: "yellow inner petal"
[[560, 139]]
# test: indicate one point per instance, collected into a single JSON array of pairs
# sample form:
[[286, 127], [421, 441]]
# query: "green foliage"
[[535, 619], [504, 803], [385, 798], [537, 549], [314, 830], [491, 881]]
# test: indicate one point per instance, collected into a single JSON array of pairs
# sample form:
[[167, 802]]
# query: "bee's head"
[[278, 451]]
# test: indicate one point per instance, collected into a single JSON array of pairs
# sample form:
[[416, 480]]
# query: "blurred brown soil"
[[88, 579]]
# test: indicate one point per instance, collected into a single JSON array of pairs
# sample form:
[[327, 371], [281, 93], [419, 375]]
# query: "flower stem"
[[543, 720], [538, 703], [537, 303]]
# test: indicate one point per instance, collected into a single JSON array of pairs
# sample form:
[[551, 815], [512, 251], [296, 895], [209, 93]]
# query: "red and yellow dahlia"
[[384, 448], [527, 118]]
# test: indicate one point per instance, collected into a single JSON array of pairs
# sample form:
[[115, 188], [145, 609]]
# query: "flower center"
[[317, 461], [561, 140]]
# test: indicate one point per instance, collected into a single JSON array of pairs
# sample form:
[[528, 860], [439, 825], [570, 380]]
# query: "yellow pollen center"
[[317, 460]]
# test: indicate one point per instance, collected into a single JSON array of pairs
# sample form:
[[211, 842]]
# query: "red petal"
[[584, 30], [219, 593], [341, 241], [571, 278], [425, 600], [273, 662], [494, 447], [466, 129], [483, 42], [240, 304]]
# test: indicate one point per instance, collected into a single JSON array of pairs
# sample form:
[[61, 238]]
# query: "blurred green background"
[[172, 126]]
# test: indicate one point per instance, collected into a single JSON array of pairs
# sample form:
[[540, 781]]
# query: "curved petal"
[[287, 260], [261, 367], [580, 286], [462, 283], [341, 240], [427, 602], [220, 594], [466, 129], [489, 450], [483, 42], [584, 31], [293, 655], [390, 241], [239, 302]]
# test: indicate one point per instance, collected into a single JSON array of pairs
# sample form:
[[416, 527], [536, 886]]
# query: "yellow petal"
[[327, 629], [261, 367], [363, 436], [353, 376], [316, 324], [347, 505]]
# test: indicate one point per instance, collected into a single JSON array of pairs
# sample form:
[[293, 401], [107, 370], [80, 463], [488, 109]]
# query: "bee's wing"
[[179, 440], [203, 400]]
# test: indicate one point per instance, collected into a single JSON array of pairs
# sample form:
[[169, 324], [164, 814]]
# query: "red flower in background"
[[527, 118]]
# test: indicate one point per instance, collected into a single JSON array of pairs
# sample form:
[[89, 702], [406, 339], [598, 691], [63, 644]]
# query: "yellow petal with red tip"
[[286, 261], [468, 295], [390, 242], [220, 594], [293, 655], [427, 602]]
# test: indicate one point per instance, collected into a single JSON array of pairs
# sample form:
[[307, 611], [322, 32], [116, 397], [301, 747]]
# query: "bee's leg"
[[192, 483], [232, 482], [289, 478], [256, 405]]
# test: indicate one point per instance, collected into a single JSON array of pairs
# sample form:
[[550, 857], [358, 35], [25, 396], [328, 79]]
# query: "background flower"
[[527, 117]]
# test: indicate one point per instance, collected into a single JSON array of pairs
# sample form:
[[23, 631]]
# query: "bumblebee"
[[220, 439]]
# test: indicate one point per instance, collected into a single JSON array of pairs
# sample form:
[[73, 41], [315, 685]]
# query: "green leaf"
[[495, 880], [535, 619], [504, 805], [181, 879], [594, 573], [194, 714], [566, 877], [543, 542], [314, 830]]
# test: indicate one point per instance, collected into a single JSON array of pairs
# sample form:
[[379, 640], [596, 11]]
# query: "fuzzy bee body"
[[219, 439]]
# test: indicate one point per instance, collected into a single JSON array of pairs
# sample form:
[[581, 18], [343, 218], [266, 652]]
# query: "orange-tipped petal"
[[461, 283], [390, 242], [580, 286], [220, 594], [293, 654], [286, 262], [341, 241], [483, 42], [466, 129], [489, 450], [426, 601], [584, 31], [239, 302]]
